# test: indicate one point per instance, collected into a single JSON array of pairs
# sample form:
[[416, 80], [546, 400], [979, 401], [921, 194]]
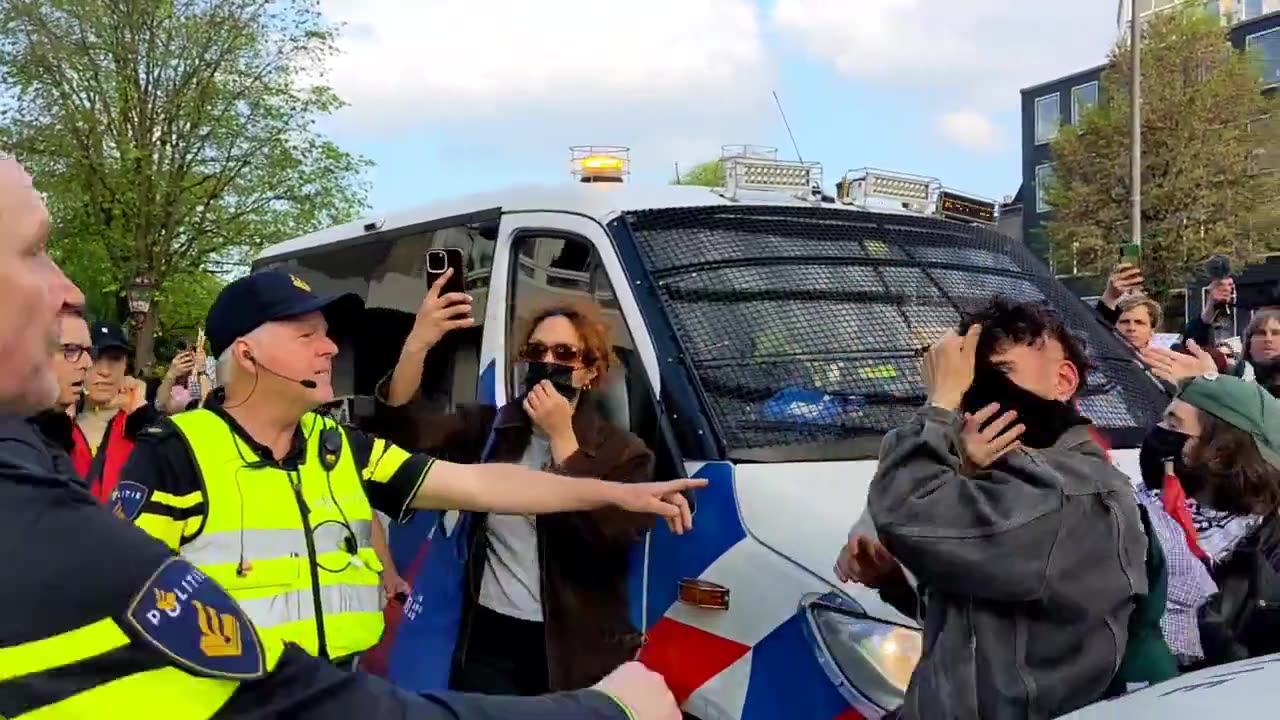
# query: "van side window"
[[566, 268], [390, 273]]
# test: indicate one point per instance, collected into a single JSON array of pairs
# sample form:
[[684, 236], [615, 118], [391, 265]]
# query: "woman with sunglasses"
[[545, 602]]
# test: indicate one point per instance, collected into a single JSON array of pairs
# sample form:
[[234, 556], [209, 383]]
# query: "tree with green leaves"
[[173, 138], [1206, 143], [706, 174]]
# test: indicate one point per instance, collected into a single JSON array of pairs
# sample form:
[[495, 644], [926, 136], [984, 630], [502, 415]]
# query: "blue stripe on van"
[[716, 528]]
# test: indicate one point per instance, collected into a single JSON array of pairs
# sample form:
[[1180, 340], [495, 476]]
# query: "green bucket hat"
[[1243, 404]]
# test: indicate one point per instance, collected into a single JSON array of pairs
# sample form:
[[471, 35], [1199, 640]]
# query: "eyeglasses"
[[72, 352], [562, 353]]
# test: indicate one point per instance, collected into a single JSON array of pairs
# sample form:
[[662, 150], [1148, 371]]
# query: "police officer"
[[98, 620], [276, 503]]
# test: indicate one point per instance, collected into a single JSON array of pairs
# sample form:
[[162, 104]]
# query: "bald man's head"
[[33, 291]]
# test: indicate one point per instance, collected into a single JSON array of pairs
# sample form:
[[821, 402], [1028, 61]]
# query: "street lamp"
[[140, 292], [1135, 140]]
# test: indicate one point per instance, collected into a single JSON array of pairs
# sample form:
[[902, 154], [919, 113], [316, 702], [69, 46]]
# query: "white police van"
[[769, 336]]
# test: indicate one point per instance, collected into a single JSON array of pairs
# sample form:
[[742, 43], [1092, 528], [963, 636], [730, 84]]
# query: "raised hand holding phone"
[[439, 314], [1125, 280]]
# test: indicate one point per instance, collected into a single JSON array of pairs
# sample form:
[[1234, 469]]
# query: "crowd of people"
[[225, 528], [1045, 579]]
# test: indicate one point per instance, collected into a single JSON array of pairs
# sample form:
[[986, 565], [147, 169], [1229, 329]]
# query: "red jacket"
[[102, 471]]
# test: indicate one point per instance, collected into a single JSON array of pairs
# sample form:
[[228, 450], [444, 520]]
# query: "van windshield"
[[802, 326]]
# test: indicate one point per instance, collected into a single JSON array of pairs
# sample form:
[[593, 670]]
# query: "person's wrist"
[[563, 436], [563, 445], [617, 701], [612, 493], [946, 401], [418, 344]]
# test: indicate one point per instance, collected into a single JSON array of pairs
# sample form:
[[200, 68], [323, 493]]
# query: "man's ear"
[[243, 355], [1068, 382]]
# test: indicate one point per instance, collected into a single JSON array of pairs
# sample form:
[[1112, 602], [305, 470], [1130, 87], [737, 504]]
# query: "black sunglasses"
[[562, 353]]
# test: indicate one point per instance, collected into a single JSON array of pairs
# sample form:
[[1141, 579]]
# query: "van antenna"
[[788, 126]]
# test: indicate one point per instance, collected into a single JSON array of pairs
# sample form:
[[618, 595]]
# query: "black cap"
[[250, 302], [109, 336]]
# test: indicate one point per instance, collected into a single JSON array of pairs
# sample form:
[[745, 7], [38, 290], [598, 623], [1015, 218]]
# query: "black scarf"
[[1045, 420]]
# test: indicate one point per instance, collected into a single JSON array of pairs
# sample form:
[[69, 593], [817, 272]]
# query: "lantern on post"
[[140, 293]]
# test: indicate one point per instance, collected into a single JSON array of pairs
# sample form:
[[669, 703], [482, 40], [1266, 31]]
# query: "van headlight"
[[871, 658]]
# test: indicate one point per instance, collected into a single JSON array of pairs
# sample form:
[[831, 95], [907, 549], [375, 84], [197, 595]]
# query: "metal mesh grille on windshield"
[[802, 325]]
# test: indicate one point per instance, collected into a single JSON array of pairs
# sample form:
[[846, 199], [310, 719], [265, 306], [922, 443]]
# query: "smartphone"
[[439, 262], [1131, 253]]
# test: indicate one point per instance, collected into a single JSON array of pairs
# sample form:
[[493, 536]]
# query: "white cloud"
[[970, 129], [408, 61], [978, 52]]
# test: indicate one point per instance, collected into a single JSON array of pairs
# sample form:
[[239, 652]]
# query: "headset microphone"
[[308, 384]]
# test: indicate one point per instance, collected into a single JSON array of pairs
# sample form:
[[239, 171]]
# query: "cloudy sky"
[[453, 96]]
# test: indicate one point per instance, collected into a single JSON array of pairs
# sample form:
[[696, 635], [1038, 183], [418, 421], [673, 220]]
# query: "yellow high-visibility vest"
[[255, 521]]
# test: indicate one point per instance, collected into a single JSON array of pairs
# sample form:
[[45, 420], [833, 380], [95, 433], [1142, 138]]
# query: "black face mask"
[[1160, 446], [1045, 420], [1163, 445], [561, 376]]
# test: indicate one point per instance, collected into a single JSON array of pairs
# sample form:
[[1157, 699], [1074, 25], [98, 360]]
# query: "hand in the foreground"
[[1174, 367], [984, 445], [660, 498], [863, 560], [948, 367], [642, 690]]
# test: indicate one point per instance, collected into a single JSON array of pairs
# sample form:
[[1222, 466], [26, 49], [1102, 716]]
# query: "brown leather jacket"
[[584, 555]]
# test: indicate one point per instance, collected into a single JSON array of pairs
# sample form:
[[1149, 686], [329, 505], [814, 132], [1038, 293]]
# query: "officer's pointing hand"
[[642, 690], [660, 498]]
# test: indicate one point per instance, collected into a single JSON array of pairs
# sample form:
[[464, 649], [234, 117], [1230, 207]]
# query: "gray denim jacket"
[[1027, 572]]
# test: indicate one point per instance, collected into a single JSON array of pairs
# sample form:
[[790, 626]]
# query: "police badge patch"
[[127, 500], [194, 622]]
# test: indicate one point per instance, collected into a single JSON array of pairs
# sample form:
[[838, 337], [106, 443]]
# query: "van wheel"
[[687, 716]]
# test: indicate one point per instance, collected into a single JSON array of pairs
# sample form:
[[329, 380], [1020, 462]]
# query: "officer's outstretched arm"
[[514, 489], [304, 686]]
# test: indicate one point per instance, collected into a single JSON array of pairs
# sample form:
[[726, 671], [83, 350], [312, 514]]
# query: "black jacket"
[[1243, 619], [53, 532], [56, 429]]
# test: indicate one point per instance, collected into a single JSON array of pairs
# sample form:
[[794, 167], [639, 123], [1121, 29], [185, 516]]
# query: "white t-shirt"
[[512, 582]]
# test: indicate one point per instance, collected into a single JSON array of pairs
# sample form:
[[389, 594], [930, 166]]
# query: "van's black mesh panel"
[[802, 325]]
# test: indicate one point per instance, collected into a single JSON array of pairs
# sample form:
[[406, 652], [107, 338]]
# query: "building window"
[[1267, 45], [1044, 176], [1083, 97], [1048, 117], [1251, 9]]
